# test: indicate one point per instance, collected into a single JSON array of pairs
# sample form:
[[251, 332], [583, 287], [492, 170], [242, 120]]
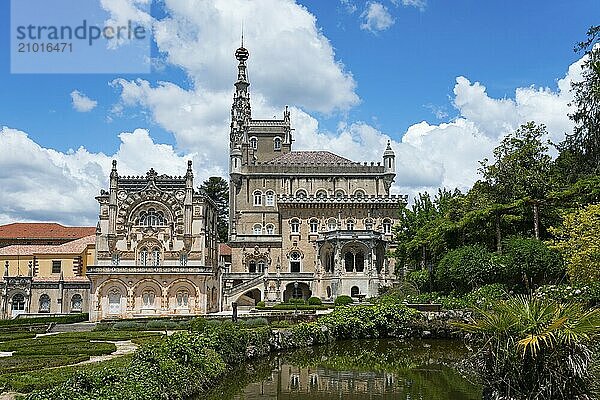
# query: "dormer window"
[[254, 143], [277, 144]]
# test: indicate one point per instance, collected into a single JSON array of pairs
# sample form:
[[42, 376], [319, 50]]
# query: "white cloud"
[[81, 102], [349, 6], [41, 184], [376, 17], [420, 4]]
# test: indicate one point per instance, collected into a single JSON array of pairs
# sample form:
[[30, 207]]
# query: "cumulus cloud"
[[81, 102], [42, 184], [376, 18]]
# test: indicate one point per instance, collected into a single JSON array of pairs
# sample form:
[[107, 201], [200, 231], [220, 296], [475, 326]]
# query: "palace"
[[156, 249], [302, 223]]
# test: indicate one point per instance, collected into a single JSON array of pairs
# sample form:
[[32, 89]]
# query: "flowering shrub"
[[581, 293]]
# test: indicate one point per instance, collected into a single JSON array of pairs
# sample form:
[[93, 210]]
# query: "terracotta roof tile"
[[44, 230], [301, 157], [72, 247]]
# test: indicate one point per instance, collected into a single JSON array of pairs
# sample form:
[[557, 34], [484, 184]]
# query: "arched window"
[[182, 297], [295, 225], [350, 225], [354, 291], [143, 258], [359, 193], [254, 143], [387, 226], [331, 224], [277, 144], [301, 193], [258, 198], [260, 265], [148, 297], [270, 229], [314, 225], [328, 292], [18, 303], [44, 303], [349, 261], [270, 198], [369, 224], [76, 303], [257, 229], [252, 266], [155, 257], [359, 261], [321, 193], [152, 218], [295, 261], [114, 302], [339, 193]]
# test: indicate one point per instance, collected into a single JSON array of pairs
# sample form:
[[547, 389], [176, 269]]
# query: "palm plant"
[[534, 348]]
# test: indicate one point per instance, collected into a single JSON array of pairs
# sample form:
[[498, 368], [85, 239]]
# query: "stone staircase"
[[253, 283]]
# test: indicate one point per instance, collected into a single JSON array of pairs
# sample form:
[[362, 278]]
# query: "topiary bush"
[[343, 300], [128, 326], [314, 301], [260, 304]]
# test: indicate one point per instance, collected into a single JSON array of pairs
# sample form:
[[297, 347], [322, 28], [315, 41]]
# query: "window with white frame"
[[155, 257], [339, 193], [295, 261], [258, 198], [257, 229], [314, 225], [295, 225], [350, 225], [270, 198], [369, 224], [331, 224], [277, 144], [387, 226], [254, 143], [143, 256], [359, 193], [301, 193], [270, 229]]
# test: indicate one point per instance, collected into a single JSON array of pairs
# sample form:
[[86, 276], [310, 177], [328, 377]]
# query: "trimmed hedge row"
[[63, 319]]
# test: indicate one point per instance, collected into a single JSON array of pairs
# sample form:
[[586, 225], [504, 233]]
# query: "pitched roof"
[[73, 247], [224, 249], [44, 230], [301, 157]]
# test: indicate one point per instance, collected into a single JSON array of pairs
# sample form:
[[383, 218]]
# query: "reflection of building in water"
[[292, 382]]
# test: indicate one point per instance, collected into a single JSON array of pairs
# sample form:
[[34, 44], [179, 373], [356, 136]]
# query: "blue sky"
[[357, 74]]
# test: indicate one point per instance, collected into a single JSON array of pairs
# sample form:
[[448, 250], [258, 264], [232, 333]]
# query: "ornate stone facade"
[[156, 249], [302, 223]]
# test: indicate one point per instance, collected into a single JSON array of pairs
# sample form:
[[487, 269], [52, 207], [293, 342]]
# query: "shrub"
[[314, 301], [343, 300], [296, 301], [255, 322], [465, 269], [260, 304], [528, 263], [63, 319], [128, 326], [420, 279], [155, 325]]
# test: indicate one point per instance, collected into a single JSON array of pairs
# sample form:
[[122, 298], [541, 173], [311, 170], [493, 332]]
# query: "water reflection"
[[376, 369]]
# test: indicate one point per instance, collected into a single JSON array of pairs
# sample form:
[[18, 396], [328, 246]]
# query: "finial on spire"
[[242, 33]]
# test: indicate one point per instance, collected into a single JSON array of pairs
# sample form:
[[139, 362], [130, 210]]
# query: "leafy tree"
[[583, 145], [217, 189], [578, 239], [529, 262], [521, 171], [465, 269]]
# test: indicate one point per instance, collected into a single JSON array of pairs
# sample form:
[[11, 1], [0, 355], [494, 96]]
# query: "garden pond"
[[365, 369]]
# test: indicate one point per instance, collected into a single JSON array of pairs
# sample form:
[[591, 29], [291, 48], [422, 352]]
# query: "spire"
[[240, 110]]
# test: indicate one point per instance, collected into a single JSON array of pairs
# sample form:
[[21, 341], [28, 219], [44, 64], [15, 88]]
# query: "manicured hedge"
[[63, 319], [21, 363]]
